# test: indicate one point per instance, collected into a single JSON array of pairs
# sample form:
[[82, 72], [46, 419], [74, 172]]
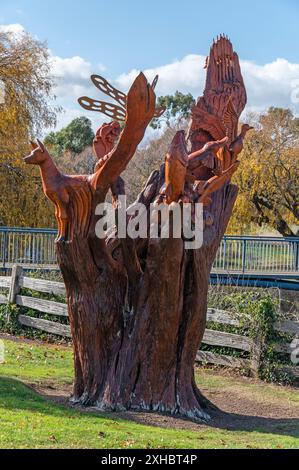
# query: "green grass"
[[29, 421], [38, 363]]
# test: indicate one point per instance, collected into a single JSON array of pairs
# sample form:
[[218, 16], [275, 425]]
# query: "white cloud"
[[101, 67], [15, 28], [267, 85], [270, 84], [185, 75], [71, 76]]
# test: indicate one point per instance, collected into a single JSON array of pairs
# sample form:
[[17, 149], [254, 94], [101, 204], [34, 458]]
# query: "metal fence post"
[[224, 251], [244, 256], [296, 255], [4, 248]]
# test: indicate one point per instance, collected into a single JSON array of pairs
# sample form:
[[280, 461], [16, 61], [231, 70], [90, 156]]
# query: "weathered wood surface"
[[256, 354], [293, 370], [222, 360], [45, 325], [14, 287], [33, 266], [287, 326], [231, 340], [41, 285], [3, 299], [221, 316], [46, 306], [282, 348], [5, 281]]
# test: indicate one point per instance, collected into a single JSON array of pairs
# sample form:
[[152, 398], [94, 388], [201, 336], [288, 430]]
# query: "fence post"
[[256, 355], [14, 288], [4, 248], [244, 256], [224, 252], [296, 255]]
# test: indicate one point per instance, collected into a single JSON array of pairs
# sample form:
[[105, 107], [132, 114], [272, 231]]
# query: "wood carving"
[[118, 113], [70, 194], [176, 162], [137, 306], [216, 113], [105, 139]]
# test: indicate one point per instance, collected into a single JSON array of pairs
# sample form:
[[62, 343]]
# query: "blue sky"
[[116, 38]]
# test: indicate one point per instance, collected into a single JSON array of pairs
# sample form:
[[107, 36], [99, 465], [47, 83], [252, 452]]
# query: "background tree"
[[178, 107], [269, 175], [73, 138], [146, 160], [25, 73]]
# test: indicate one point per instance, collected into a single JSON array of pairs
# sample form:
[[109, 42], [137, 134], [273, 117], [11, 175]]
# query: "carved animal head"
[[106, 136], [245, 128], [38, 155]]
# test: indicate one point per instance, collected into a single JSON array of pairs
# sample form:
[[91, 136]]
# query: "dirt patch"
[[238, 410]]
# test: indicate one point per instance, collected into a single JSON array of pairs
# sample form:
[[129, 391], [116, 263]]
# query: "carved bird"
[[206, 156], [237, 145]]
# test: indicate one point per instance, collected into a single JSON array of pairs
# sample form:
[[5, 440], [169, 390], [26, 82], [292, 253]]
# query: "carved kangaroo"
[[58, 188]]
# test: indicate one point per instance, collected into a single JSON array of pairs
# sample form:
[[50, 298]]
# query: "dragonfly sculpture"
[[114, 111]]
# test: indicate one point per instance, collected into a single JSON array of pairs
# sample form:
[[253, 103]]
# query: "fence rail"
[[14, 283], [35, 248]]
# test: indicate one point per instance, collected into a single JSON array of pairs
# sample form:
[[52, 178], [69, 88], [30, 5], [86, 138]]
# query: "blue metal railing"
[[35, 247], [258, 254], [27, 246]]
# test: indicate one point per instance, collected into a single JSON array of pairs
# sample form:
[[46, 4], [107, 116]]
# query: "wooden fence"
[[14, 283]]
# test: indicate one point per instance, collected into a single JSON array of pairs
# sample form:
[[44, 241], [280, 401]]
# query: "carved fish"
[[176, 161]]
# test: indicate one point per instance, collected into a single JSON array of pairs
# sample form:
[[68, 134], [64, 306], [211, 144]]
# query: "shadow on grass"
[[15, 395]]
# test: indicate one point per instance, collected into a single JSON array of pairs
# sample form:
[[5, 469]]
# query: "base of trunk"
[[139, 355]]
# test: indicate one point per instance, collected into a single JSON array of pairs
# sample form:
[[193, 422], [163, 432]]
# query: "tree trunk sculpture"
[[137, 308]]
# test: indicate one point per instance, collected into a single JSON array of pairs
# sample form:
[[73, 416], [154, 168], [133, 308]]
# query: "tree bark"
[[137, 308], [140, 354]]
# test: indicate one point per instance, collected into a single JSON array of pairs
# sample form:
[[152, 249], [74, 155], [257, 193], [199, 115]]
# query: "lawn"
[[30, 421]]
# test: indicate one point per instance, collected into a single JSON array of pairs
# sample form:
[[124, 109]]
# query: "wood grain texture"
[[222, 360], [46, 306], [42, 285], [5, 281], [221, 316], [14, 282], [231, 340], [45, 325], [3, 299], [287, 326]]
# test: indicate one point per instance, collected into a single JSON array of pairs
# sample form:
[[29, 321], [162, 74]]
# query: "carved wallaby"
[[58, 188]]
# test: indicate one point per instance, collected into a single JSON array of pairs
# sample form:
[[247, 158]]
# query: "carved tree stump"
[[143, 358], [137, 308]]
